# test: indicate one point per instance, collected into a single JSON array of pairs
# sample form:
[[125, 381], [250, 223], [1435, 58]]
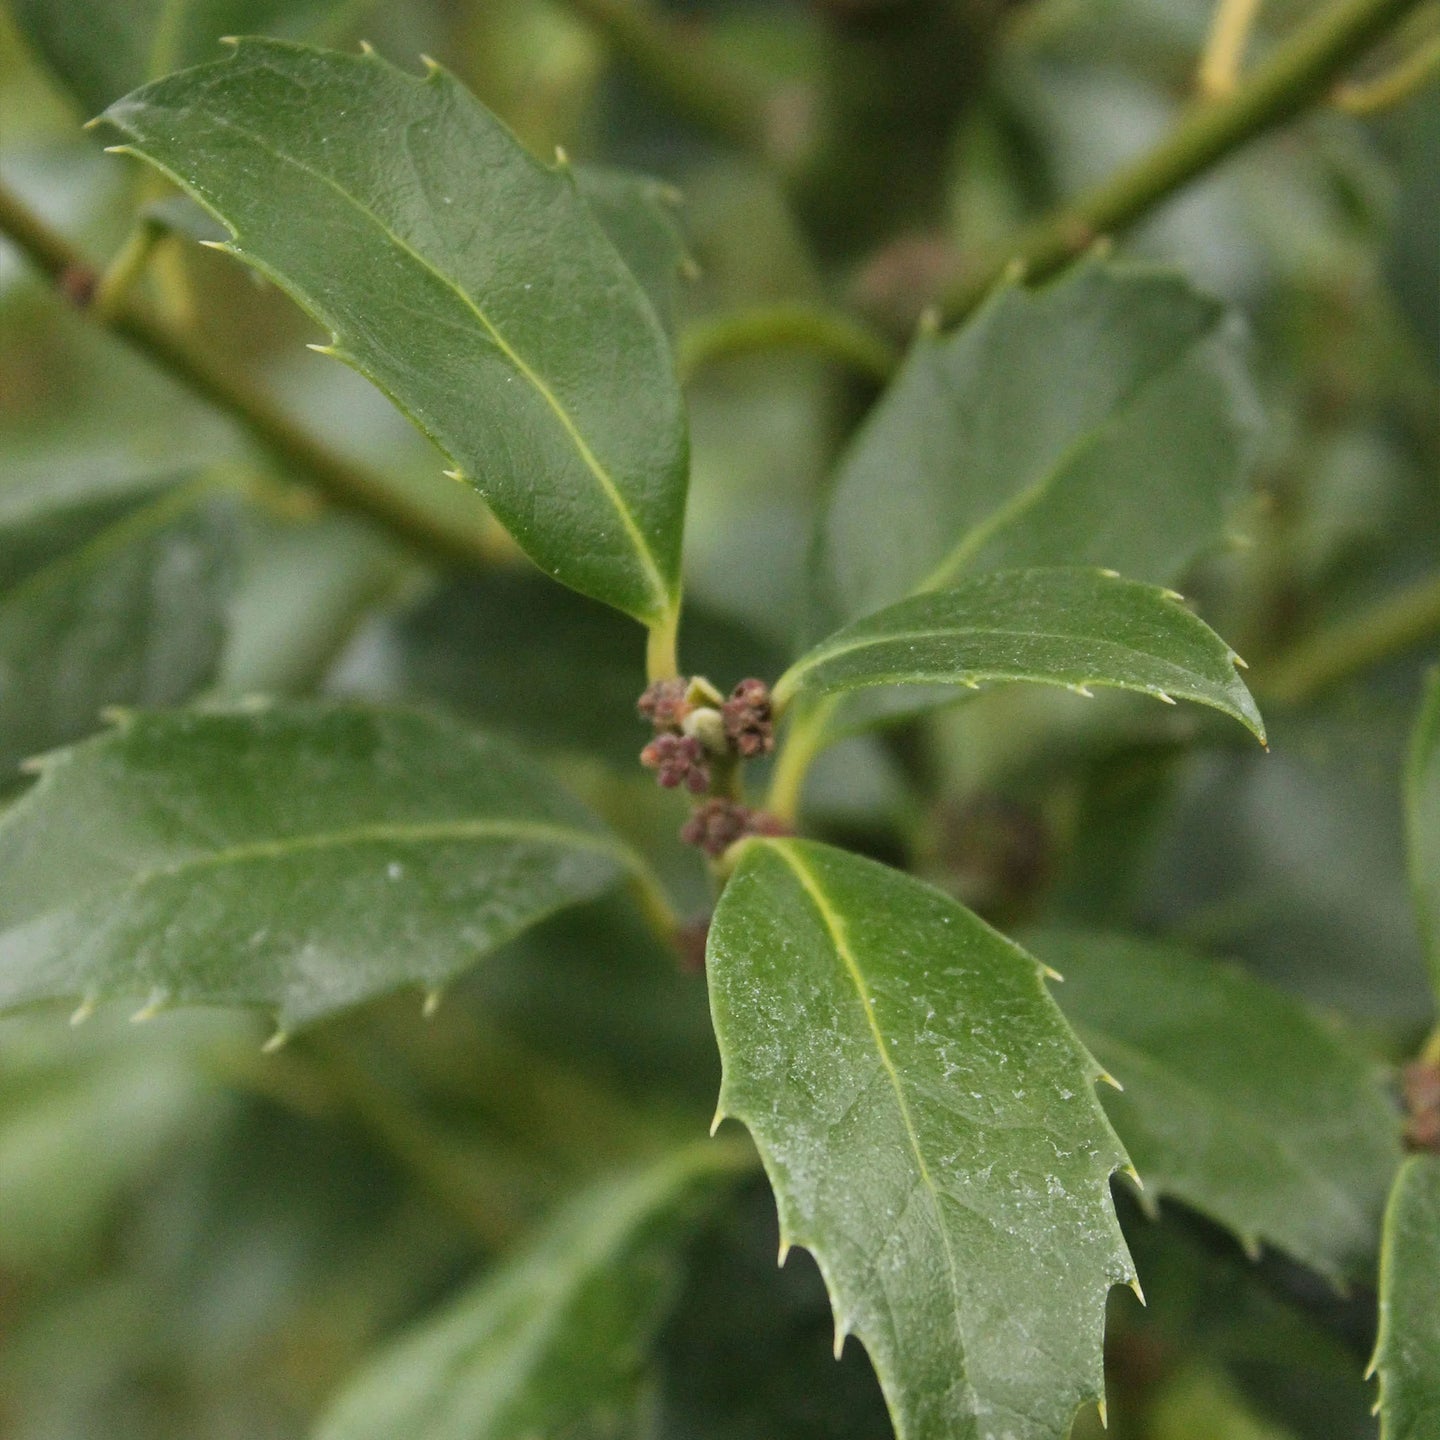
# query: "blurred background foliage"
[[200, 1241]]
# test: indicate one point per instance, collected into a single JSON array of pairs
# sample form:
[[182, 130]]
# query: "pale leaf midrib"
[[823, 656], [835, 928], [423, 833], [591, 461]]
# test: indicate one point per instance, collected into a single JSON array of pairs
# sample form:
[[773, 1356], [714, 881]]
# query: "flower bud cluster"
[[717, 824]]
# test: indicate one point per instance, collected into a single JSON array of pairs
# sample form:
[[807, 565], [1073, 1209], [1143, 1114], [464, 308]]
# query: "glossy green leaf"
[[554, 1338], [469, 282], [301, 858], [1062, 627], [927, 1121], [113, 591], [99, 49], [1237, 1099], [1407, 1352], [1105, 419], [1423, 807]]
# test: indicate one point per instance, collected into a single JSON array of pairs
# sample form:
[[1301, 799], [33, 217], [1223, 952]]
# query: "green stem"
[[805, 739], [788, 327], [1351, 646], [347, 486], [1369, 97], [685, 69], [1300, 71]]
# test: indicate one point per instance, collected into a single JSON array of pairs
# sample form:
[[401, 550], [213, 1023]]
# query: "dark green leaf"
[[113, 591], [1423, 797], [1237, 1100], [555, 1337], [520, 656], [1105, 419], [469, 282], [639, 214], [300, 858], [927, 1121], [1063, 627], [1407, 1353], [102, 48]]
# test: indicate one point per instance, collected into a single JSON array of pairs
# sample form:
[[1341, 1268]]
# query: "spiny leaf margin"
[[1007, 1350]]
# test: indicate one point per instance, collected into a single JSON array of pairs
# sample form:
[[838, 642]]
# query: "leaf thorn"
[[151, 1008], [1110, 1080], [1161, 695], [1174, 595], [275, 1042], [561, 158], [223, 246], [1051, 973], [1134, 1283], [1104, 1413], [432, 66], [83, 1011], [322, 349], [1110, 574], [784, 1251], [1239, 662], [1083, 690], [452, 474], [1129, 1170], [431, 1003], [367, 50], [719, 1116], [1251, 1246]]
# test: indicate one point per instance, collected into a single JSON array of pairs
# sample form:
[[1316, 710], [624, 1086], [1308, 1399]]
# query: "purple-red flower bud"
[[678, 760], [749, 722]]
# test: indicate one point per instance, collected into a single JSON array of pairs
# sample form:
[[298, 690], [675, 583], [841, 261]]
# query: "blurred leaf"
[[1063, 627], [554, 1337], [1407, 1353], [522, 657], [1423, 805], [113, 591], [470, 283], [1294, 861], [640, 215], [300, 858], [1413, 262], [1201, 1404], [1237, 1100], [747, 1349], [84, 1117], [1038, 433], [927, 1122], [99, 49]]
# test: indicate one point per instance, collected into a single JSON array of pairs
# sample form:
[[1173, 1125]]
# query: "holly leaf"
[[927, 1121], [554, 1337], [99, 49], [1422, 795], [1069, 627], [114, 590], [301, 858], [1407, 1351], [471, 283], [640, 215], [1038, 433], [1237, 1100]]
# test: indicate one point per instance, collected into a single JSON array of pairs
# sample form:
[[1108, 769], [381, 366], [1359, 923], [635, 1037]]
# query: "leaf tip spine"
[[842, 1329], [431, 1003], [453, 475], [720, 1116], [1110, 1080], [1128, 1169], [1104, 1413], [84, 1010], [1110, 574], [1250, 1244], [1051, 973], [233, 41], [927, 327], [368, 50], [432, 66], [562, 158], [1163, 696], [1369, 1374], [274, 1043], [1174, 595], [1239, 662], [1134, 1283], [784, 1254], [151, 1008], [1084, 691]]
